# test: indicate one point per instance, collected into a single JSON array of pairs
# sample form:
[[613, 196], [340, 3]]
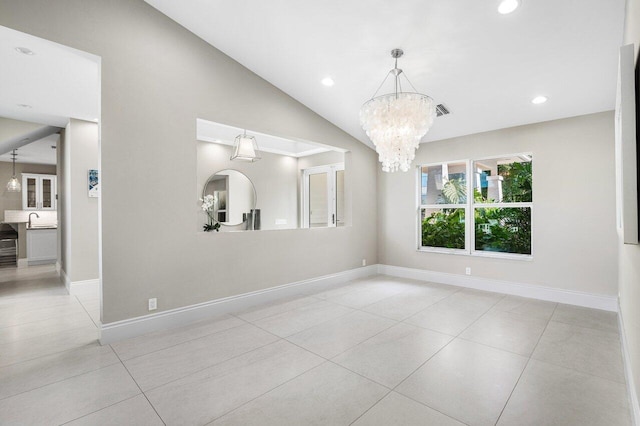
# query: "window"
[[496, 219]]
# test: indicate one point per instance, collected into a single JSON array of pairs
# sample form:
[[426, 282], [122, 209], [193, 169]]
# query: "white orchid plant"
[[208, 205]]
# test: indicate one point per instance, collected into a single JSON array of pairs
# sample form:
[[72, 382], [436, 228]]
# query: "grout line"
[[74, 347], [266, 305], [179, 343], [61, 380], [87, 312], [264, 393], [414, 371], [103, 408], [136, 382], [213, 365], [47, 317], [432, 356], [328, 359], [617, 333], [352, 310], [369, 409], [431, 408], [525, 365], [423, 363], [365, 340]]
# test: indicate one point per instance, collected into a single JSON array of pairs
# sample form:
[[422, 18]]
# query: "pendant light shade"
[[14, 185], [396, 122], [245, 148]]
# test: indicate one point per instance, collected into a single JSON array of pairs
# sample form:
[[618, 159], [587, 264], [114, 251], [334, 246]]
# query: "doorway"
[[323, 196]]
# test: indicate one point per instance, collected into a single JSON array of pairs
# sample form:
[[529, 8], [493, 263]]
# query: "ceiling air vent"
[[441, 110]]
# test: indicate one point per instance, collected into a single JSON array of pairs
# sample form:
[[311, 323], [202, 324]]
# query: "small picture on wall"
[[94, 184]]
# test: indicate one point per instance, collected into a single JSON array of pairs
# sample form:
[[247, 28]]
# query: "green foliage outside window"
[[518, 179], [444, 229], [505, 230], [498, 229]]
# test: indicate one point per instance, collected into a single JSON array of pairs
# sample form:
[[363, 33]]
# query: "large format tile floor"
[[376, 351]]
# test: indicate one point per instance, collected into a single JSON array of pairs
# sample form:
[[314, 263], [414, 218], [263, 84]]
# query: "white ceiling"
[[38, 152], [57, 82], [485, 67], [210, 131]]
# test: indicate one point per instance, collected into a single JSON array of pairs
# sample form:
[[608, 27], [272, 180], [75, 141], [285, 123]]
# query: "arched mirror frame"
[[255, 193]]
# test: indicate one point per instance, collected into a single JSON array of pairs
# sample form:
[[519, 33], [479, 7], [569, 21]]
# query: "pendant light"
[[245, 148], [396, 122], [14, 185]]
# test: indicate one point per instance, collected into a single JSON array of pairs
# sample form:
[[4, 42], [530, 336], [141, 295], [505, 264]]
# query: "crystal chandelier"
[[14, 185], [396, 122]]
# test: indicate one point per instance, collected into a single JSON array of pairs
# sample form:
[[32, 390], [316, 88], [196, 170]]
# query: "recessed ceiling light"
[[328, 81], [508, 6], [539, 100], [24, 106], [25, 50]]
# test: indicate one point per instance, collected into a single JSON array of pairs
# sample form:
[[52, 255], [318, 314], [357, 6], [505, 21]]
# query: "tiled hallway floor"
[[376, 351]]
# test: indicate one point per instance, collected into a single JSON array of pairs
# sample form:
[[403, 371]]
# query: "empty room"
[[416, 212]]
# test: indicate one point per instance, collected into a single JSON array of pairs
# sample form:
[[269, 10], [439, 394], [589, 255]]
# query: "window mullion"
[[470, 211]]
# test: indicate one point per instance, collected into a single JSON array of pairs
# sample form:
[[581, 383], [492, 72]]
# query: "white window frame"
[[469, 208], [331, 170], [421, 206]]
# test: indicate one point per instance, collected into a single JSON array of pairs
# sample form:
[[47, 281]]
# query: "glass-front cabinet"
[[38, 192]]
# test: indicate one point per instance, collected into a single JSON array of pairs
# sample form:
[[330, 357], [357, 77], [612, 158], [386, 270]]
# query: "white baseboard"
[[589, 300], [23, 263], [631, 388], [65, 279], [128, 328], [86, 287]]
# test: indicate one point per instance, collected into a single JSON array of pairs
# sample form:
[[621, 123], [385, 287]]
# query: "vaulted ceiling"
[[484, 66]]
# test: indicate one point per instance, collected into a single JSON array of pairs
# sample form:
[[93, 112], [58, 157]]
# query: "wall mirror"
[[234, 196], [295, 184]]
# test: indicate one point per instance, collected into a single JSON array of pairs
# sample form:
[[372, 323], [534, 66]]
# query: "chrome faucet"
[[29, 225]]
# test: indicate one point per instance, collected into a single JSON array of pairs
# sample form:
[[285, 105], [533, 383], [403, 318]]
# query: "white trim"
[[128, 328], [23, 263], [85, 287], [332, 188], [631, 388], [589, 300], [65, 279]]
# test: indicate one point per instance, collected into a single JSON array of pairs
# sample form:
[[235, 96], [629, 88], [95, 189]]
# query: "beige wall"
[[632, 24], [574, 235], [629, 255], [157, 78], [11, 129], [322, 159], [81, 153]]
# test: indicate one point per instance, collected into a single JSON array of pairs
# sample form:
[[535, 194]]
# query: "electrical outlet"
[[364, 262], [153, 304], [468, 270]]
